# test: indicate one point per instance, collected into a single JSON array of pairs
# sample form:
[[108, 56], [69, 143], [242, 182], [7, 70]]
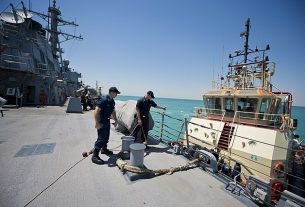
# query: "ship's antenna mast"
[[48, 28], [54, 12], [221, 78], [222, 61], [245, 72], [54, 33], [246, 34]]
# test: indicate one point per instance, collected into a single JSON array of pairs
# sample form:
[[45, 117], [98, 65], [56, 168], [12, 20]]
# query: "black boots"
[[95, 158], [106, 151]]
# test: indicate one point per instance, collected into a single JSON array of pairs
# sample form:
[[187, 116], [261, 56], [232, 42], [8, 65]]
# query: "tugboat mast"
[[246, 34], [250, 72]]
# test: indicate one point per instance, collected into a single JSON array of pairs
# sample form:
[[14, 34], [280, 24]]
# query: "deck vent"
[[35, 149]]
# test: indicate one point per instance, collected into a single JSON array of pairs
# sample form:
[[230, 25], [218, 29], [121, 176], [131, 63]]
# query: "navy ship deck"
[[37, 145]]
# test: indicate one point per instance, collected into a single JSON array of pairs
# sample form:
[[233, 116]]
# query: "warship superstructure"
[[32, 69]]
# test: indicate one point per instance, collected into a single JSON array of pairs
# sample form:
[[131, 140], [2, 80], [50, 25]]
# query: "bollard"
[[177, 149], [137, 154], [126, 142]]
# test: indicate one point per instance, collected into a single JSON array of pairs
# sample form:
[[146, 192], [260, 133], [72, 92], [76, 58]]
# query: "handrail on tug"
[[268, 120], [171, 138]]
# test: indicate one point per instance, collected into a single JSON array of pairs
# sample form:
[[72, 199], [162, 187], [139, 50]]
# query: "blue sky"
[[173, 46]]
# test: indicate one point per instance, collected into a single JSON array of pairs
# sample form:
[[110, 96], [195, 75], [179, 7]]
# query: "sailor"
[[42, 97], [83, 100], [143, 107], [104, 109], [89, 100]]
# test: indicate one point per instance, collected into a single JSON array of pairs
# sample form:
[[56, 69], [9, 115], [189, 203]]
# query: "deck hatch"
[[35, 149]]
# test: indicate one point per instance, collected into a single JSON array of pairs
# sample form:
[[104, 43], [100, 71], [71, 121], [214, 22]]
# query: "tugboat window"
[[248, 106], [214, 105], [264, 107], [275, 106], [228, 104]]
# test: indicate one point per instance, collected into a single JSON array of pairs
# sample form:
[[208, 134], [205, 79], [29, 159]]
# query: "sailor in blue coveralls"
[[104, 109], [143, 107]]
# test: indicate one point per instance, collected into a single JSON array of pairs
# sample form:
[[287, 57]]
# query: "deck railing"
[[166, 131]]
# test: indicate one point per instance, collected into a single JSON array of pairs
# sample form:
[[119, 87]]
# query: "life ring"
[[277, 189], [278, 169], [198, 111]]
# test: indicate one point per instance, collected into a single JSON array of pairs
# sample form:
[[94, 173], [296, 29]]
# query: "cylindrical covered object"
[[126, 142], [137, 154]]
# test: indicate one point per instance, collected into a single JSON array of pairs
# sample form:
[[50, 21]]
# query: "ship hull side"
[[256, 149]]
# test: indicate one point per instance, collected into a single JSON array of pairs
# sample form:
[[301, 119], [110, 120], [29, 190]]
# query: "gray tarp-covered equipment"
[[126, 115], [74, 106]]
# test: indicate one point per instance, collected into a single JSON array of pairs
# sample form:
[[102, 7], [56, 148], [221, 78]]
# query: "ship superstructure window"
[[248, 106], [228, 104], [275, 106], [264, 105], [214, 105]]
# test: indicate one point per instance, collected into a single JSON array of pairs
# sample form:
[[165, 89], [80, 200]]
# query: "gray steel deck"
[[23, 177]]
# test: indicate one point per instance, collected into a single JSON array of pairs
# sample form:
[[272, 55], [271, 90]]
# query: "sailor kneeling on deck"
[[104, 109]]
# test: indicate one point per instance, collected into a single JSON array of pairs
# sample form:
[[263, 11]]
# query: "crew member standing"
[[42, 98], [143, 108], [104, 109]]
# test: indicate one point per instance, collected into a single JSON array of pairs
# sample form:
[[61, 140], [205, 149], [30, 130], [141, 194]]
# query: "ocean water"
[[184, 108]]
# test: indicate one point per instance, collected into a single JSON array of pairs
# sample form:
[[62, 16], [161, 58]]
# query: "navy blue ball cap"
[[151, 94], [114, 89]]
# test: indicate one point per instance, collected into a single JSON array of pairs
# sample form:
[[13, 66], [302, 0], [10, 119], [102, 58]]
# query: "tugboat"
[[32, 70], [246, 123]]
